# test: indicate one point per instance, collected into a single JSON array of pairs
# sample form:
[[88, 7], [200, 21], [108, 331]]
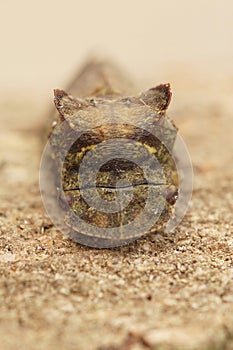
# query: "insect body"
[[118, 179]]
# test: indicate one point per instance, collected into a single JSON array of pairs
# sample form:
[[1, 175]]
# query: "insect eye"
[[67, 201], [171, 194]]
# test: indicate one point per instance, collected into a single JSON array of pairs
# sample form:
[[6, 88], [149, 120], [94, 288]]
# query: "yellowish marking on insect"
[[175, 178], [151, 149], [84, 150]]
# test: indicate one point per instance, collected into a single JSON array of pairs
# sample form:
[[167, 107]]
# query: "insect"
[[120, 142]]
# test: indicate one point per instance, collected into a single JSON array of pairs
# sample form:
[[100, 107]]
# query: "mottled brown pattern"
[[114, 114]]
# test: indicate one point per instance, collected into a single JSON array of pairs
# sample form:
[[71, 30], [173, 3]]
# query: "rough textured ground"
[[162, 292]]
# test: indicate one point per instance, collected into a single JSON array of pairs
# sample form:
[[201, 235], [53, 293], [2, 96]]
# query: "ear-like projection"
[[158, 98], [67, 105]]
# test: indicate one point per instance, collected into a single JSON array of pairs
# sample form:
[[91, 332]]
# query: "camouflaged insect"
[[102, 91]]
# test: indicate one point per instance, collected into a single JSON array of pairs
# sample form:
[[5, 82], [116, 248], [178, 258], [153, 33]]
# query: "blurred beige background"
[[43, 42]]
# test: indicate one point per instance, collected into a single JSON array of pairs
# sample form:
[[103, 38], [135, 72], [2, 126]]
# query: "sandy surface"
[[162, 292]]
